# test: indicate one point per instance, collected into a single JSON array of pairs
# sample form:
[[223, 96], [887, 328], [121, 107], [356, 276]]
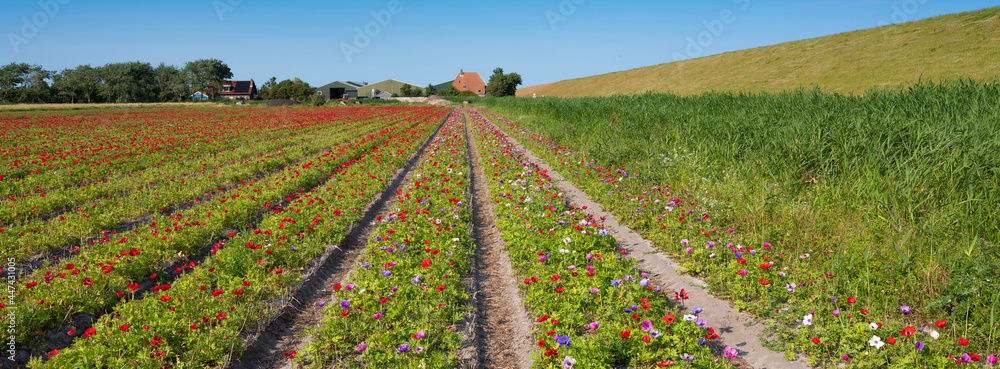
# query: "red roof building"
[[239, 90], [470, 82]]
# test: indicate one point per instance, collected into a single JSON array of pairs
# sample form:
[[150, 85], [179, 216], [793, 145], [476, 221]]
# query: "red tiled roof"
[[469, 81], [239, 88]]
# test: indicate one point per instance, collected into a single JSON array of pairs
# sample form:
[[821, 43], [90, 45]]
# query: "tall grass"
[[896, 190]]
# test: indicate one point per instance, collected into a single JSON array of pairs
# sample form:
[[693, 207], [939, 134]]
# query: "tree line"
[[127, 82]]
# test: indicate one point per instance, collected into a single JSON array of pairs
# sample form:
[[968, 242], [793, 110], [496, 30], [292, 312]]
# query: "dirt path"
[[737, 329], [504, 329], [286, 332]]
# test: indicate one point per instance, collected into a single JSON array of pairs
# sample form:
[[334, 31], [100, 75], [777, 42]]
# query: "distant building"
[[338, 90], [469, 82], [384, 95], [246, 90], [199, 96], [390, 85], [442, 87]]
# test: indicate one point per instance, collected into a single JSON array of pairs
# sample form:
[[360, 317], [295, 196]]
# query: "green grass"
[[896, 192], [964, 45]]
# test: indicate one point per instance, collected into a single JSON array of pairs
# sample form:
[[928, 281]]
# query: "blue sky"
[[423, 42]]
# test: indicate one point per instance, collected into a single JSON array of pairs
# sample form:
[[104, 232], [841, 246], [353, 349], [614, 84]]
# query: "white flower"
[[873, 326], [934, 334], [876, 342], [807, 319], [567, 240], [563, 251], [690, 318]]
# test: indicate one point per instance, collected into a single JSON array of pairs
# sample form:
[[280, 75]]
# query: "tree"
[[206, 75], [410, 91], [430, 90], [20, 82], [76, 85], [451, 91], [287, 89], [503, 84], [127, 82], [171, 83]]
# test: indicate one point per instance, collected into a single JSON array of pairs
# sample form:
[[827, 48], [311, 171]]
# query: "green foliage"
[[206, 75], [501, 84], [24, 83], [287, 89], [430, 90], [410, 91]]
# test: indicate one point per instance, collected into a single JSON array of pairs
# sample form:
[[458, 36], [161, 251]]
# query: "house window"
[[227, 88]]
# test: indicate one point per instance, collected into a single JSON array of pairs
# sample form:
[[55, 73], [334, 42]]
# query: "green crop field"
[[891, 199], [965, 45]]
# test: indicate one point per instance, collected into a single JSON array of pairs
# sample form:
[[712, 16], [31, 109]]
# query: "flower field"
[[857, 272], [176, 238]]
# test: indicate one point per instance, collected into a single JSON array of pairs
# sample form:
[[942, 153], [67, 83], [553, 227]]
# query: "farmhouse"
[[384, 95], [390, 85], [469, 82], [246, 90], [340, 90]]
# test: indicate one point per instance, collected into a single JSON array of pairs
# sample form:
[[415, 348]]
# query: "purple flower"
[[644, 282], [593, 326], [415, 280], [361, 347], [701, 323], [346, 304], [321, 303], [386, 273], [568, 363], [697, 310], [616, 282], [905, 309], [646, 325], [833, 299], [689, 358], [366, 265], [737, 255], [655, 333], [563, 340], [966, 358], [702, 341], [419, 349], [594, 290], [402, 348], [919, 345], [420, 334], [790, 287], [782, 274]]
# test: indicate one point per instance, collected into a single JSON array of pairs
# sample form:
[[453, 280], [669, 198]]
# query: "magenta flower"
[[730, 352], [361, 347], [646, 325], [377, 316], [593, 326], [420, 334]]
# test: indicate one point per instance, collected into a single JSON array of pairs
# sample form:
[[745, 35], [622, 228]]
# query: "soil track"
[[504, 332], [737, 329]]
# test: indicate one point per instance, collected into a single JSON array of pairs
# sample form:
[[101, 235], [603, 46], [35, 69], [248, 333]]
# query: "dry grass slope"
[[964, 45]]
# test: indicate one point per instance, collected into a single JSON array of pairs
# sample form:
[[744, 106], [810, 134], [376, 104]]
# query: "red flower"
[[646, 339], [828, 275], [963, 342], [440, 288], [681, 295], [555, 278], [851, 300], [669, 318], [764, 282], [70, 267], [542, 318], [164, 298], [625, 334], [940, 323], [666, 363], [291, 355], [107, 269], [52, 354], [815, 340], [345, 312], [907, 332], [238, 292], [123, 328], [194, 326], [559, 290], [337, 287], [220, 316], [89, 332], [974, 357], [425, 264], [891, 341], [541, 343], [71, 332]]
